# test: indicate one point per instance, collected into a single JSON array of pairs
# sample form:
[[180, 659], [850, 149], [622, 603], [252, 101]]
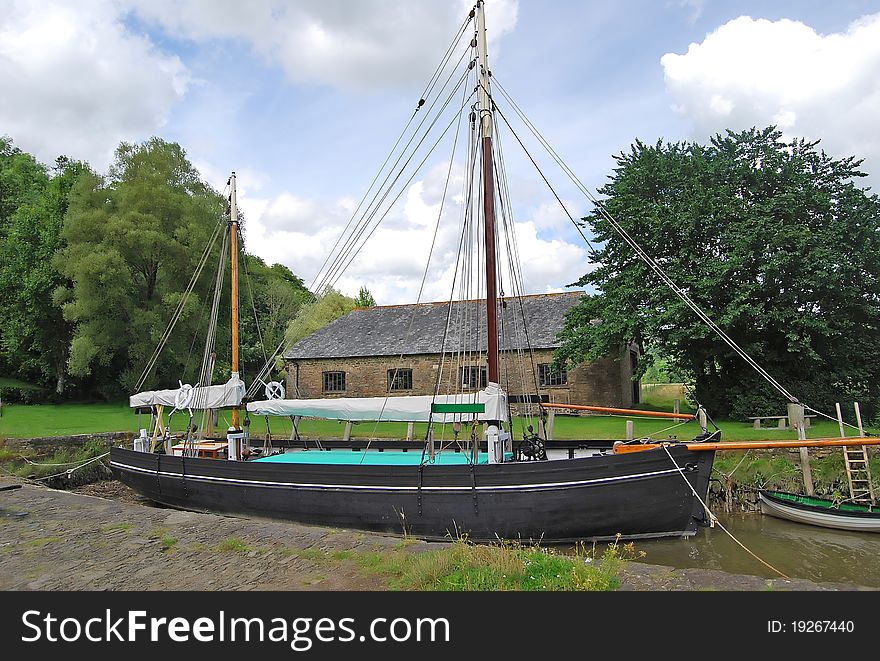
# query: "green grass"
[[499, 567], [232, 545], [22, 421]]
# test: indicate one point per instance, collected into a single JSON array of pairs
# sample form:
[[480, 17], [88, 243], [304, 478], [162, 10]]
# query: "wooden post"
[[859, 418], [629, 430], [409, 432], [840, 420], [676, 407], [551, 422], [796, 417], [347, 435], [431, 449]]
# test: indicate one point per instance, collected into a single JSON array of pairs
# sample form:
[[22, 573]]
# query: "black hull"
[[633, 495]]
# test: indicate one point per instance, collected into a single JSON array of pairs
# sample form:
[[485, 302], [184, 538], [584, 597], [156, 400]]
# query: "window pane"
[[334, 381], [548, 377], [400, 379]]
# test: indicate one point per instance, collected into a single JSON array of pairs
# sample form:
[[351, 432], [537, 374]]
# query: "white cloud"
[[755, 72], [300, 233], [362, 44], [75, 81]]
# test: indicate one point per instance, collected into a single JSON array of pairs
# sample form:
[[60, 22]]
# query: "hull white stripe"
[[505, 487]]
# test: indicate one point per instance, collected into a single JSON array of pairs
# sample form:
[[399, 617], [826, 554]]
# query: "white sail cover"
[[413, 408], [204, 397]]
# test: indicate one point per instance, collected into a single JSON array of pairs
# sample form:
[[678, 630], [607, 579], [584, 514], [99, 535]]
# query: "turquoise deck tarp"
[[370, 457]]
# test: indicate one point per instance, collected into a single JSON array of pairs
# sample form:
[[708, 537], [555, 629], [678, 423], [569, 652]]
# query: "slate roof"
[[381, 330]]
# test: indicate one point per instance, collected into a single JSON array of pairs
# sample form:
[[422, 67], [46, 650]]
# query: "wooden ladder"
[[858, 473]]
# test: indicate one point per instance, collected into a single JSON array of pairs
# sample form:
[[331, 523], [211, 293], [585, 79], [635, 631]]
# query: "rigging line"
[[267, 367], [658, 270], [445, 60], [845, 423], [659, 431], [425, 274], [356, 243], [516, 262], [468, 185], [634, 245], [318, 282], [247, 277], [354, 251], [715, 518], [175, 317], [376, 178]]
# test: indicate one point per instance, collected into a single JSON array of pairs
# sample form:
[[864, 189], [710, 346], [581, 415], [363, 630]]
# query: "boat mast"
[[233, 243], [488, 197]]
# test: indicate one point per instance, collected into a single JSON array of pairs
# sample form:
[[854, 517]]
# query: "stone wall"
[[44, 446], [606, 382]]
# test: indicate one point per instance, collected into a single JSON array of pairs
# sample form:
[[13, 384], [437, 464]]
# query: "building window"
[[547, 376], [473, 377], [334, 381], [400, 379]]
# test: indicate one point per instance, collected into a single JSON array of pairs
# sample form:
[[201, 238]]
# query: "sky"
[[303, 99]]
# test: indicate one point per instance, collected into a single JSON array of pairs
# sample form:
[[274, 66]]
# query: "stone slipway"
[[59, 540]]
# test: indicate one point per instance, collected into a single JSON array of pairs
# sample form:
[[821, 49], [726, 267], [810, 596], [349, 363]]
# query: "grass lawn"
[[19, 420]]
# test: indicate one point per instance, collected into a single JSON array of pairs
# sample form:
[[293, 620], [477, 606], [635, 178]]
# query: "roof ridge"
[[471, 300]]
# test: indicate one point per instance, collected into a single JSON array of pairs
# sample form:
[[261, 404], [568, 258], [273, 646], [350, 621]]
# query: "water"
[[799, 551]]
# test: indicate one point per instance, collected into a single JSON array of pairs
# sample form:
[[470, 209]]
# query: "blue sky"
[[304, 98]]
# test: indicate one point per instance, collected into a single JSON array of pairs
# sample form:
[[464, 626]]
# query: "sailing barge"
[[486, 485]]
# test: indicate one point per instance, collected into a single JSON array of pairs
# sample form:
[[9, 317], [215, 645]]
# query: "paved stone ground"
[[60, 540]]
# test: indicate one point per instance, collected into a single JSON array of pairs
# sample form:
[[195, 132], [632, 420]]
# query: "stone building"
[[397, 350]]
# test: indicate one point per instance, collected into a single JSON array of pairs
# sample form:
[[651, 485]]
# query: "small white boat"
[[820, 511]]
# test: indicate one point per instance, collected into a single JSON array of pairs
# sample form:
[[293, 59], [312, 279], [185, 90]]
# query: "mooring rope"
[[67, 472], [715, 519]]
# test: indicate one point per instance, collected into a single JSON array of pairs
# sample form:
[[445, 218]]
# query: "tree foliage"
[[35, 335], [318, 313], [772, 239], [365, 299]]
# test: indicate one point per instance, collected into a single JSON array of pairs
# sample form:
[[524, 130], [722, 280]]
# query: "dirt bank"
[[105, 537]]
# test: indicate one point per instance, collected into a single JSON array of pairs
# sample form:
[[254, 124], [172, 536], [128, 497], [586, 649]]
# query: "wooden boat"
[[494, 489], [820, 511]]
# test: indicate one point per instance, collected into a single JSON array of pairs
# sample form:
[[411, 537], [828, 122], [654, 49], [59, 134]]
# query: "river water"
[[798, 550]]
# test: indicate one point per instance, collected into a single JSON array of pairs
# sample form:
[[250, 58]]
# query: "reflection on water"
[[798, 550]]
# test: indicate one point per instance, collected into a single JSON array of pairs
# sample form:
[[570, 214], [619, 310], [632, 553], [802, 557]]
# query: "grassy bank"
[[28, 421], [500, 567], [780, 470]]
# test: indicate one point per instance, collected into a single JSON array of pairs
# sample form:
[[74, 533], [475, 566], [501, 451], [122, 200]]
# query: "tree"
[[36, 335], [365, 299], [317, 314], [772, 239], [133, 242]]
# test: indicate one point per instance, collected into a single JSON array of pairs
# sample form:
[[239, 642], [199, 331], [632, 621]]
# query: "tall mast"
[[233, 243], [488, 197]]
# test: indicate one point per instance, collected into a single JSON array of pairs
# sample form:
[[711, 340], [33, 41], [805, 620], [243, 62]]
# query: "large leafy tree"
[[132, 243], [35, 334], [773, 239]]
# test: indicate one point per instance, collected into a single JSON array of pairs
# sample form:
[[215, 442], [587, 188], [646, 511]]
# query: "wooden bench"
[[782, 420], [209, 449]]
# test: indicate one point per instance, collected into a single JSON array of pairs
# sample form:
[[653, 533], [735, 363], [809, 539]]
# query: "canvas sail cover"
[[412, 408], [203, 397]]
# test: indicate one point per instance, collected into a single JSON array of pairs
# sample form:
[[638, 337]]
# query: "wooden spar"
[[621, 448], [233, 243], [608, 409], [488, 200]]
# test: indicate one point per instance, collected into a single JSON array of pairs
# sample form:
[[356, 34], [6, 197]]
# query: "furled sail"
[[412, 408], [202, 397]]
